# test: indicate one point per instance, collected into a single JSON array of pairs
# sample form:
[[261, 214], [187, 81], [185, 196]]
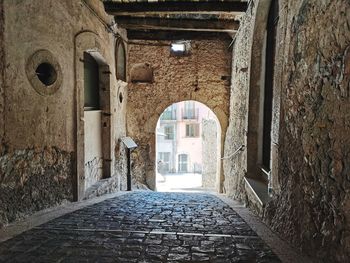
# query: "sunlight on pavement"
[[180, 182]]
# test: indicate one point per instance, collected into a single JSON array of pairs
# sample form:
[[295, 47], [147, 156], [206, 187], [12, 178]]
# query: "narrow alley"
[[143, 227], [117, 115]]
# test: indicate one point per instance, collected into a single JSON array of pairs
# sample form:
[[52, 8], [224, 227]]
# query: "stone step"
[[257, 192]]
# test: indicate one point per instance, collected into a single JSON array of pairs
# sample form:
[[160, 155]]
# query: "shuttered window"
[[192, 130], [91, 83]]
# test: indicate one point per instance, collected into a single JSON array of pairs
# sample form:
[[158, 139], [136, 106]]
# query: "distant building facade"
[[179, 137]]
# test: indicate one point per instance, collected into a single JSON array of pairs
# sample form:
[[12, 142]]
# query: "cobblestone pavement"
[[143, 227]]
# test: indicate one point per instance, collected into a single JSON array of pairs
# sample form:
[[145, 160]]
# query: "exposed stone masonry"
[[121, 165], [2, 71], [314, 147], [198, 76], [310, 127], [32, 180]]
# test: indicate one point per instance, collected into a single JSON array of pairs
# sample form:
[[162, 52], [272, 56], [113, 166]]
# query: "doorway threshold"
[[257, 192]]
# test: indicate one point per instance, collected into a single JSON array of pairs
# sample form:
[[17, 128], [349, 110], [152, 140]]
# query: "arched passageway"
[[173, 79], [187, 148]]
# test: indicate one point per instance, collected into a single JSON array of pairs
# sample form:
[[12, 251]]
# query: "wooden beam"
[[175, 35], [212, 25], [186, 15], [118, 8]]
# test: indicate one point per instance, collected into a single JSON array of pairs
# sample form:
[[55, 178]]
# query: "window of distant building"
[[189, 112], [183, 163], [165, 161], [169, 132], [192, 130], [169, 113]]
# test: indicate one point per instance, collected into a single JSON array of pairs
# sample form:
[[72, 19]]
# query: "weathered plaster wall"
[[39, 132], [120, 163], [235, 167], [195, 77], [93, 148], [311, 121], [209, 153]]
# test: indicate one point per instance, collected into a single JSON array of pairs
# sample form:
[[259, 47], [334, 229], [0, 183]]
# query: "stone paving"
[[143, 227]]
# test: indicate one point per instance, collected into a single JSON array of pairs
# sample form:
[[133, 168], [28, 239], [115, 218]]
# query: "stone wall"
[[2, 70], [42, 129], [32, 180], [121, 165], [310, 153], [314, 152], [120, 150], [199, 77], [209, 153], [235, 167]]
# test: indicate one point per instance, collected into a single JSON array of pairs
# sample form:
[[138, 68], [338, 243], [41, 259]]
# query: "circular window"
[[121, 97], [44, 72]]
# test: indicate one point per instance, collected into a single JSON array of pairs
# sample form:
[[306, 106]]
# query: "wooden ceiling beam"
[[187, 15], [119, 8], [175, 35], [212, 25]]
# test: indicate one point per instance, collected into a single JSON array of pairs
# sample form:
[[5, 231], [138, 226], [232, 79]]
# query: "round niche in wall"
[[44, 72]]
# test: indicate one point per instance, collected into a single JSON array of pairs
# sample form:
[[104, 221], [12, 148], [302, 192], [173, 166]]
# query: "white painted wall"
[[93, 147]]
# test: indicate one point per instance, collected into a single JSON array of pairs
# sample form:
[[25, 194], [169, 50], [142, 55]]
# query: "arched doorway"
[[92, 114], [263, 114], [188, 143]]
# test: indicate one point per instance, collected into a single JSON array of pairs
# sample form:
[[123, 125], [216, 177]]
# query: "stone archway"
[[175, 79], [144, 156]]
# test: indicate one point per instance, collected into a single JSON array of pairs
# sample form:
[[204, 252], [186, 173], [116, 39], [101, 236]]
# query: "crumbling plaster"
[[33, 122], [310, 142], [195, 77]]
